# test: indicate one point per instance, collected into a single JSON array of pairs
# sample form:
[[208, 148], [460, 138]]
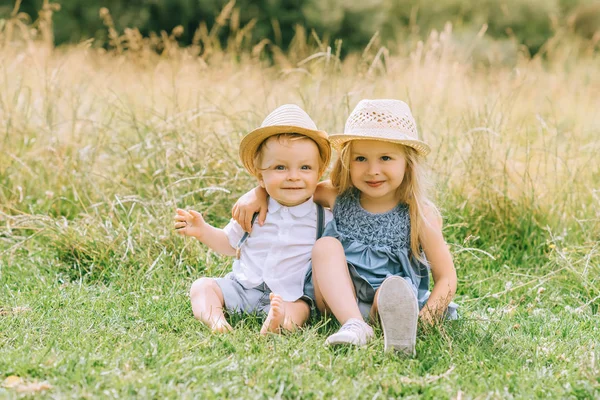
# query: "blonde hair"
[[292, 137], [412, 190]]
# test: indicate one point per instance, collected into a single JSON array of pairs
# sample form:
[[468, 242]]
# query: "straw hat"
[[385, 120], [289, 118]]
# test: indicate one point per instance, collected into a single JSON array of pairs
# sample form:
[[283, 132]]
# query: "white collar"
[[299, 211]]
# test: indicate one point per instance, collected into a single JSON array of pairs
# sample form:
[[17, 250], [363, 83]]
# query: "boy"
[[288, 155]]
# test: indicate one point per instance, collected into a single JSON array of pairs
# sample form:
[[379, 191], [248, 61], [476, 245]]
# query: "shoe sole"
[[398, 312]]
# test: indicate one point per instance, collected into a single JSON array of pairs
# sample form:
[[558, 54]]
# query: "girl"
[[374, 257]]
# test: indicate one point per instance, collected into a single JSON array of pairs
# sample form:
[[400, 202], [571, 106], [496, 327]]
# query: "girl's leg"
[[374, 314], [285, 314], [334, 290], [207, 304], [398, 310]]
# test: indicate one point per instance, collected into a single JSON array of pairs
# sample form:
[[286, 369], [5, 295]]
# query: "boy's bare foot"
[[219, 325], [276, 315]]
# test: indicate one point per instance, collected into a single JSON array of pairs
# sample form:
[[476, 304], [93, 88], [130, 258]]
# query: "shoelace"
[[353, 325]]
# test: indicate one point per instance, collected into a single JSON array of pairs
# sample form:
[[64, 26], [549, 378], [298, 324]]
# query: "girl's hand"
[[426, 318], [189, 223], [250, 203]]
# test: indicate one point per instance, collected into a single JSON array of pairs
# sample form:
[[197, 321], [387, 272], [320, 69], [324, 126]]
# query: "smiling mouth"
[[375, 183]]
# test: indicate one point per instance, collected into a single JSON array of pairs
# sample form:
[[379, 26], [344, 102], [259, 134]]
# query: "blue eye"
[[360, 159], [386, 158], [306, 167], [279, 167]]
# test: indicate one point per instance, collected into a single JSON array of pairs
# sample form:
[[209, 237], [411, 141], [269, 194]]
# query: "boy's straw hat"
[[289, 118], [385, 120]]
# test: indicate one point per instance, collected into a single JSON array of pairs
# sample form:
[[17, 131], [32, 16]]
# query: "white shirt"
[[279, 252]]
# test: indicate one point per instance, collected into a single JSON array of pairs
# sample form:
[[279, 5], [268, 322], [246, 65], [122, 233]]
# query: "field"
[[99, 147]]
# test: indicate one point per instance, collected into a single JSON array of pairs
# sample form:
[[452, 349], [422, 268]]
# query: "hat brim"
[[339, 139], [250, 143]]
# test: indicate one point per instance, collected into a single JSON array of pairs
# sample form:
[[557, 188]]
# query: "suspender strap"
[[244, 237], [320, 221]]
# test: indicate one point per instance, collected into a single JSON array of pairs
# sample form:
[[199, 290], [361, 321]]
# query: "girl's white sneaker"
[[355, 331], [398, 310]]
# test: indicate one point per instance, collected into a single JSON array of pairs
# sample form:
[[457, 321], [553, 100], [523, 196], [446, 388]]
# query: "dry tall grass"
[[99, 146], [86, 130]]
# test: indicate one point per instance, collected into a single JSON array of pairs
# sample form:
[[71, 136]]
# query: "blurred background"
[[526, 23]]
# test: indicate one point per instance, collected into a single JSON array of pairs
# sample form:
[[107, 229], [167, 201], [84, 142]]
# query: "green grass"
[[98, 150], [136, 337]]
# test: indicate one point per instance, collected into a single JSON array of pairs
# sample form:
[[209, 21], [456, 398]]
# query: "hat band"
[[381, 133]]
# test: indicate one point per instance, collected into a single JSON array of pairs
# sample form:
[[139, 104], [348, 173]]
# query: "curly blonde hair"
[[412, 190]]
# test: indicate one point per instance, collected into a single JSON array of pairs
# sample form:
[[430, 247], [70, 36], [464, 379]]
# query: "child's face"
[[289, 170], [377, 169]]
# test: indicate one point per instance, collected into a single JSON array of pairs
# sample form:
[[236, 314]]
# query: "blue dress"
[[378, 246]]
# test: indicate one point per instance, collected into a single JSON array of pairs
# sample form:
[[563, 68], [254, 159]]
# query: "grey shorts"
[[249, 301], [239, 299]]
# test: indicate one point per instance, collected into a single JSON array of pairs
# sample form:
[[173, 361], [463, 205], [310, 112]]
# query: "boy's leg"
[[285, 314], [334, 291], [207, 304]]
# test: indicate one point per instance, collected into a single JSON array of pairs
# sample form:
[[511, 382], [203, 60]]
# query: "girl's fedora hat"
[[289, 118], [383, 119]]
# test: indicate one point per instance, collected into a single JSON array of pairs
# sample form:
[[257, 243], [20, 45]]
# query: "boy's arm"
[[191, 223]]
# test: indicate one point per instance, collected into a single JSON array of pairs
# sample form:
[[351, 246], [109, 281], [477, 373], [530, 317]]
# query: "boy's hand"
[[244, 209], [189, 223]]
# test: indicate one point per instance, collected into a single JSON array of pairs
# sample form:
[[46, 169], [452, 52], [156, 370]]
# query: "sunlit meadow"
[[100, 145]]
